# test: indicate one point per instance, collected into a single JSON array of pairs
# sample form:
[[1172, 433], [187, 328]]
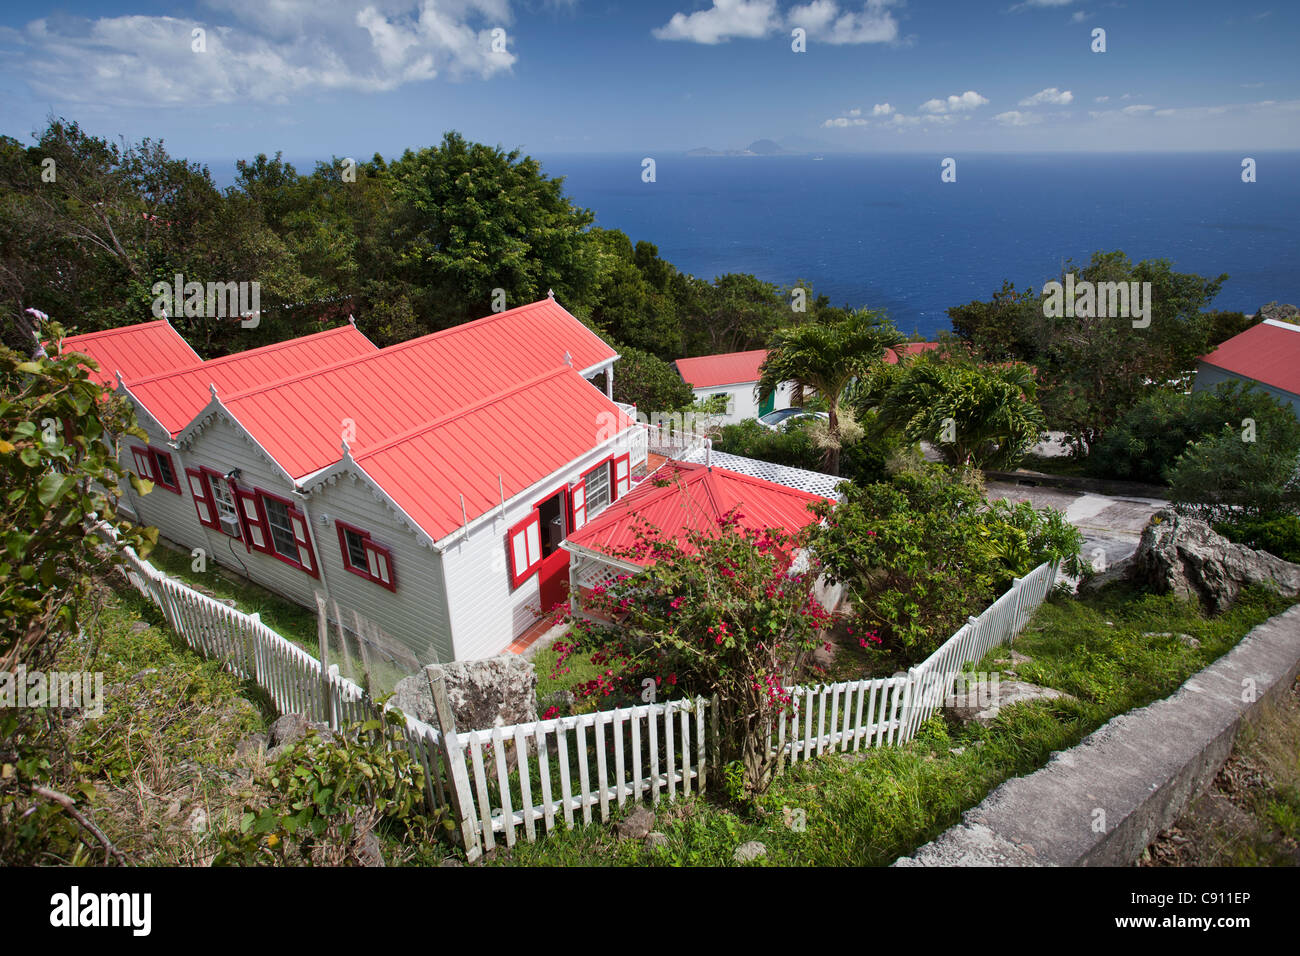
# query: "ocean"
[[883, 230]]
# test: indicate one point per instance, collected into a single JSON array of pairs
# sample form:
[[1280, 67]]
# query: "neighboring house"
[[734, 375], [427, 486], [1267, 354], [911, 349]]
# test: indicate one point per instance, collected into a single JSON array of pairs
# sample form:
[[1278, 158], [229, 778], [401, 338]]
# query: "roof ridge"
[[462, 411], [223, 360], [113, 331], [398, 347]]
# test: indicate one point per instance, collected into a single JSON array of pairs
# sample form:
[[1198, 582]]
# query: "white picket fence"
[[525, 780], [295, 681]]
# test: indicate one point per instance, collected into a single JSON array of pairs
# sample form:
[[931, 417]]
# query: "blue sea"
[[884, 231]]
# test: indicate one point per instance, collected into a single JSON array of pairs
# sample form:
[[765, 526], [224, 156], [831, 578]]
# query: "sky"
[[315, 78]]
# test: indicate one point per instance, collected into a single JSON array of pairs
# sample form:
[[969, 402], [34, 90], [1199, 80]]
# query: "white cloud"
[[1102, 99], [841, 122], [260, 51], [1017, 118], [1137, 108], [881, 109], [966, 101], [824, 21], [1051, 95], [722, 21], [1079, 16], [827, 23]]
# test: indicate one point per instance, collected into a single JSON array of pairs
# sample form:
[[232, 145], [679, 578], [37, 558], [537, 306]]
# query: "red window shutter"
[[141, 456], [380, 562], [524, 548], [258, 537], [306, 554], [578, 503], [622, 477], [207, 511]]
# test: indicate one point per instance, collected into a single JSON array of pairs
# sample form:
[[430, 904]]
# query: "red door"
[[553, 579]]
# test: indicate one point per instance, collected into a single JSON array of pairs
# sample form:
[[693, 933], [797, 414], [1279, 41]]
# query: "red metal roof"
[[729, 368], [134, 350], [907, 348], [1268, 353], [513, 434], [695, 497], [300, 421], [175, 397]]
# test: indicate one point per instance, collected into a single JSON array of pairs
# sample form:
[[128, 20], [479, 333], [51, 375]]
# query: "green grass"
[[291, 621], [870, 808]]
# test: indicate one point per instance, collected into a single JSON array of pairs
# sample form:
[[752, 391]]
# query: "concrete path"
[[1111, 526]]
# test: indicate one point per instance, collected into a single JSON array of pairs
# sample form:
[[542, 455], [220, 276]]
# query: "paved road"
[[1111, 526]]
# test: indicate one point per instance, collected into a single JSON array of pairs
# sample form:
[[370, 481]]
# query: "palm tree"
[[825, 358]]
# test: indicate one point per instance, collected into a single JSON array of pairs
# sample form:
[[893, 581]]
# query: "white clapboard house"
[[427, 486]]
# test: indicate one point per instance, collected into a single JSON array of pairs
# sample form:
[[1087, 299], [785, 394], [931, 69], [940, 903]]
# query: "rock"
[[198, 821], [451, 861], [981, 701], [365, 848], [251, 746], [1277, 312], [1187, 639], [748, 852], [1185, 556], [495, 692], [564, 700], [139, 627], [288, 729], [656, 841], [1018, 658], [638, 825], [824, 655], [144, 673]]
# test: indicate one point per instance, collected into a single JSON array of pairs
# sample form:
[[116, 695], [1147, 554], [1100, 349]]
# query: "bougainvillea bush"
[[725, 614]]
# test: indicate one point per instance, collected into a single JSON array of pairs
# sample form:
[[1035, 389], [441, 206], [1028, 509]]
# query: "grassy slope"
[[161, 759], [873, 807]]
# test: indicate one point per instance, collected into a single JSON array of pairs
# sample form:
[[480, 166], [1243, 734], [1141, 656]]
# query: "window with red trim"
[[365, 558], [288, 537], [156, 465]]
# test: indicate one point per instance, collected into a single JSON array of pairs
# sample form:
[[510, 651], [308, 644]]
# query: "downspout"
[[304, 497]]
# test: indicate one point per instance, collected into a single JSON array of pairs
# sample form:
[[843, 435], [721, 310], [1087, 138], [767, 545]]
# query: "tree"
[[825, 358], [649, 383], [1146, 442], [981, 415], [474, 219], [1247, 471]]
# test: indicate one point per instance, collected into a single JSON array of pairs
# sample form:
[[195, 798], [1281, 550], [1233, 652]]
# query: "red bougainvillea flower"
[[551, 711]]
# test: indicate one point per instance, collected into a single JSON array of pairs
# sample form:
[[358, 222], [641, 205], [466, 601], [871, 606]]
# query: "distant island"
[[759, 147]]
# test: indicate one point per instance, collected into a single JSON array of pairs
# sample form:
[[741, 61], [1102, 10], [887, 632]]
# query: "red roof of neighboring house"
[[507, 435], [175, 397], [300, 421], [1268, 353], [730, 368], [694, 499], [907, 348], [133, 350]]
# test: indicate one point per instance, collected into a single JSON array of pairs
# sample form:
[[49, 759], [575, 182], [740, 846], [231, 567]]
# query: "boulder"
[[656, 841], [749, 852], [981, 701], [494, 692], [638, 825], [1279, 312], [1185, 556], [287, 730]]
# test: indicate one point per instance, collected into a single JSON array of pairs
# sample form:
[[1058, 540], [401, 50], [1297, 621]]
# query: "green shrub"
[[1277, 536]]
